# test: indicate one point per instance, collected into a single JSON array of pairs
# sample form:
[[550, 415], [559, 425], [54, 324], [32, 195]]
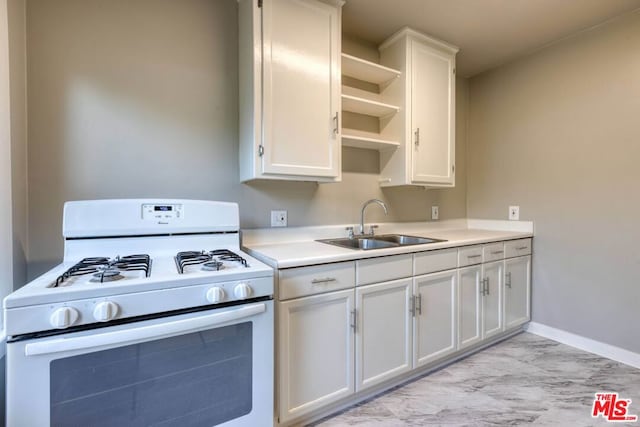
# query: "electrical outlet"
[[514, 213], [435, 212], [278, 218]]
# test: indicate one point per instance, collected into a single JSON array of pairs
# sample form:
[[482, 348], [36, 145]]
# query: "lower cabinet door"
[[316, 358], [517, 289], [469, 306], [383, 331], [492, 319], [435, 321]]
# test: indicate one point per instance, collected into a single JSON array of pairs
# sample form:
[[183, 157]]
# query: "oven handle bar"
[[143, 333]]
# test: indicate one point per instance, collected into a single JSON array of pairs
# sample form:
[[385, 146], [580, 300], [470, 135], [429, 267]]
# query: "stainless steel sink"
[[378, 242], [403, 240], [359, 243]]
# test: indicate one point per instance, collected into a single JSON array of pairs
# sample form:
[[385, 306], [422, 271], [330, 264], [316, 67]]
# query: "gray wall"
[[558, 133], [140, 98], [18, 99]]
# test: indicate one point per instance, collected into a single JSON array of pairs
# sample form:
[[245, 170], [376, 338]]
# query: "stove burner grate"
[[107, 269], [211, 260]]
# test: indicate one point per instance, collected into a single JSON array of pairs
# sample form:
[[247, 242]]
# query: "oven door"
[[206, 368]]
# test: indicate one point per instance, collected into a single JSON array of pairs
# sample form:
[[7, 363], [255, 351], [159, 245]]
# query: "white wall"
[[140, 99], [558, 133]]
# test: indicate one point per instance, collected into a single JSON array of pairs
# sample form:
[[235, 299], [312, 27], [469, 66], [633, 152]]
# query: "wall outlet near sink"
[[435, 212], [278, 218], [514, 213]]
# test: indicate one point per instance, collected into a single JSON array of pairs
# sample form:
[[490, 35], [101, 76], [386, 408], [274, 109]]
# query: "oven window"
[[199, 379]]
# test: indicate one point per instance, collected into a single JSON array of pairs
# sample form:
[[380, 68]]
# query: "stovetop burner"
[[211, 260], [107, 269]]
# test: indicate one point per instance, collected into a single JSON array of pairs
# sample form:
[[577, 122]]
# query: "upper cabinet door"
[[432, 114], [301, 88]]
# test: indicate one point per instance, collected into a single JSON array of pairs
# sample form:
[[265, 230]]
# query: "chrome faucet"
[[367, 203]]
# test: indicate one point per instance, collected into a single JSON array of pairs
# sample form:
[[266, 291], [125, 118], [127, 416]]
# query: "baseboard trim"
[[587, 344]]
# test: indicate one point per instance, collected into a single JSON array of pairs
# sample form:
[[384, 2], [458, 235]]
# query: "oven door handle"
[[143, 333]]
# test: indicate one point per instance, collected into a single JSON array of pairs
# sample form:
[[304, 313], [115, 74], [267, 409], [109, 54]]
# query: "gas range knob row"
[[64, 317], [105, 311], [242, 291], [216, 295]]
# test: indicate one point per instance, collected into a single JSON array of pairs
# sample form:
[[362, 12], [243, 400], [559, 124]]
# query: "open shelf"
[[367, 71], [369, 140], [357, 104]]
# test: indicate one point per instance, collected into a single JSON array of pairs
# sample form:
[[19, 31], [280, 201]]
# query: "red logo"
[[612, 408]]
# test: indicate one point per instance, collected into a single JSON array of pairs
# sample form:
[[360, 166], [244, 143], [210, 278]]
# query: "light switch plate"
[[514, 213], [435, 212], [278, 218]]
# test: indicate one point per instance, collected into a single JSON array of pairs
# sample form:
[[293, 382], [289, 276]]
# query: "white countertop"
[[296, 249]]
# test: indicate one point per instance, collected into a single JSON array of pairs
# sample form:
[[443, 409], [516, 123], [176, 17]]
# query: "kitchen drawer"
[[432, 261], [316, 279], [517, 248], [469, 255], [493, 252], [375, 270]]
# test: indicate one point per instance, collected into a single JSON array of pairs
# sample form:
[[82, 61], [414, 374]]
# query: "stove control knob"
[[105, 311], [215, 295], [242, 291], [64, 317]]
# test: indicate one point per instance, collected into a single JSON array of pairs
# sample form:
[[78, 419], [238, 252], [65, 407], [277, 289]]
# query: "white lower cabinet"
[[517, 291], [492, 320], [434, 326], [469, 306], [316, 359], [383, 331]]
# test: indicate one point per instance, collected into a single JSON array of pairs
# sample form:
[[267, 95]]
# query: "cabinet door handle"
[[497, 252], [417, 137], [507, 282], [336, 123], [488, 293], [325, 280], [412, 308], [353, 319], [419, 304], [485, 286]]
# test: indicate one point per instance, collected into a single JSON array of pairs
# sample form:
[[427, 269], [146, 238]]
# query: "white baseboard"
[[596, 347]]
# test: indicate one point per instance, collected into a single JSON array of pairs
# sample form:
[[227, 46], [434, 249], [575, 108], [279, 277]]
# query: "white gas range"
[[144, 283]]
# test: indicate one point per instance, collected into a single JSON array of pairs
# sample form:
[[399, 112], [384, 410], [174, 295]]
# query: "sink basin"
[[378, 242], [359, 243], [403, 240]]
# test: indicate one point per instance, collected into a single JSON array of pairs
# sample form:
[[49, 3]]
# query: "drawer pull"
[[474, 256], [522, 248], [325, 280], [497, 252]]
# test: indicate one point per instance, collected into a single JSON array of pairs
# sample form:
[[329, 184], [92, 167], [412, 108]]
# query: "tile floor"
[[525, 380]]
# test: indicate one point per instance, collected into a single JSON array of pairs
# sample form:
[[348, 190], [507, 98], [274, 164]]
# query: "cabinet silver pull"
[[487, 279], [485, 286], [507, 282], [474, 256], [522, 248], [325, 280], [336, 123], [353, 319], [497, 252], [419, 305], [412, 309], [417, 135]]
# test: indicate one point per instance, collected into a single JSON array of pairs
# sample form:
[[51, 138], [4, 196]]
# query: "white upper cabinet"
[[289, 90], [426, 121]]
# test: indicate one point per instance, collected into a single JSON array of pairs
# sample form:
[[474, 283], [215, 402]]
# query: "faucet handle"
[[372, 229], [350, 230]]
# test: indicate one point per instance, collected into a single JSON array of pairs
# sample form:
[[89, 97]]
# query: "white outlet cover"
[[435, 212], [278, 218], [514, 213]]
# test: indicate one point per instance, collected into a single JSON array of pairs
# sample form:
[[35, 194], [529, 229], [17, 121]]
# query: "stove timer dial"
[[64, 317], [242, 291], [105, 311]]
